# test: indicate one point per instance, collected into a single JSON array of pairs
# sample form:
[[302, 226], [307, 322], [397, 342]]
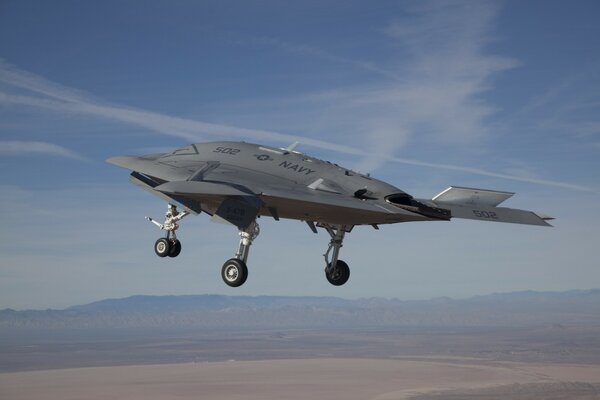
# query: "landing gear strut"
[[337, 271], [169, 245], [235, 271]]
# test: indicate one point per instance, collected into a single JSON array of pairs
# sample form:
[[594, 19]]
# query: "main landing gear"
[[235, 271], [169, 245], [337, 271]]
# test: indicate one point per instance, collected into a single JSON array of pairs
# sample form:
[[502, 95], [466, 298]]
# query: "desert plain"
[[325, 378], [339, 364], [520, 346]]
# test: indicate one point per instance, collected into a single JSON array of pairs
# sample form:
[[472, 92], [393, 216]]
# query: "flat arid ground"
[[310, 379], [419, 364], [515, 346]]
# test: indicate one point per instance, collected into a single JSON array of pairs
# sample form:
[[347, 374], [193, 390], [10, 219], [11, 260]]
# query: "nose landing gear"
[[169, 245]]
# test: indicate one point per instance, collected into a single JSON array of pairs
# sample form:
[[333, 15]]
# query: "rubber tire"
[[234, 272], [342, 275], [175, 249], [162, 247]]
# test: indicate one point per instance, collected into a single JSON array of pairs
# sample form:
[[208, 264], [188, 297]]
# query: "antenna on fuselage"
[[292, 146]]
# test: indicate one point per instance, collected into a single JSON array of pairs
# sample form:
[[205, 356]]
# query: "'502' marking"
[[485, 214], [226, 150]]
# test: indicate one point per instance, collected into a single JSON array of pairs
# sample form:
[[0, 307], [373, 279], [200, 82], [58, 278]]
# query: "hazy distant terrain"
[[520, 309], [524, 326], [522, 345]]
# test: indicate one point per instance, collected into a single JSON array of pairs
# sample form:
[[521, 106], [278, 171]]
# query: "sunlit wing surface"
[[481, 204]]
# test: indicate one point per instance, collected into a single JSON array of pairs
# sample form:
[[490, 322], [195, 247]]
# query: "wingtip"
[[545, 218], [119, 161], [113, 160]]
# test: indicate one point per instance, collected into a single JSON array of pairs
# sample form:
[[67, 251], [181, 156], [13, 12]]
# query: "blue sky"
[[499, 95]]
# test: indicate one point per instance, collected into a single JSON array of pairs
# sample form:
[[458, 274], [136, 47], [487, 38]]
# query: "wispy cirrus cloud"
[[315, 52], [58, 98], [18, 148], [446, 72], [430, 91], [35, 83]]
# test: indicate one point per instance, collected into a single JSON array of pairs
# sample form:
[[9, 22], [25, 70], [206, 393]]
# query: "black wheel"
[[162, 247], [175, 248], [339, 275], [234, 272]]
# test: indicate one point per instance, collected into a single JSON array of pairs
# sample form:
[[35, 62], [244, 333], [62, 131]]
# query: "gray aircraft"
[[238, 182]]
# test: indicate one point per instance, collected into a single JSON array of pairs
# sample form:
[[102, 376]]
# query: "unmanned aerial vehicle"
[[238, 182]]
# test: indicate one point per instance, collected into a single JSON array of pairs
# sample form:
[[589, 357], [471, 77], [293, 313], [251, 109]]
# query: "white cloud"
[[432, 94], [386, 120], [446, 72], [26, 80], [17, 148], [479, 171], [315, 52]]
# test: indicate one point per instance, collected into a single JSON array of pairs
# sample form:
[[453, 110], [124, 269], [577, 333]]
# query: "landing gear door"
[[238, 211]]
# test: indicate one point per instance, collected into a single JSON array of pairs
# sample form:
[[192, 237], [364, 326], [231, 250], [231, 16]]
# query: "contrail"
[[63, 99], [17, 147]]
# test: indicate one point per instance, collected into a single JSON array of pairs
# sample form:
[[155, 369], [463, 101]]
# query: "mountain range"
[[526, 309]]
